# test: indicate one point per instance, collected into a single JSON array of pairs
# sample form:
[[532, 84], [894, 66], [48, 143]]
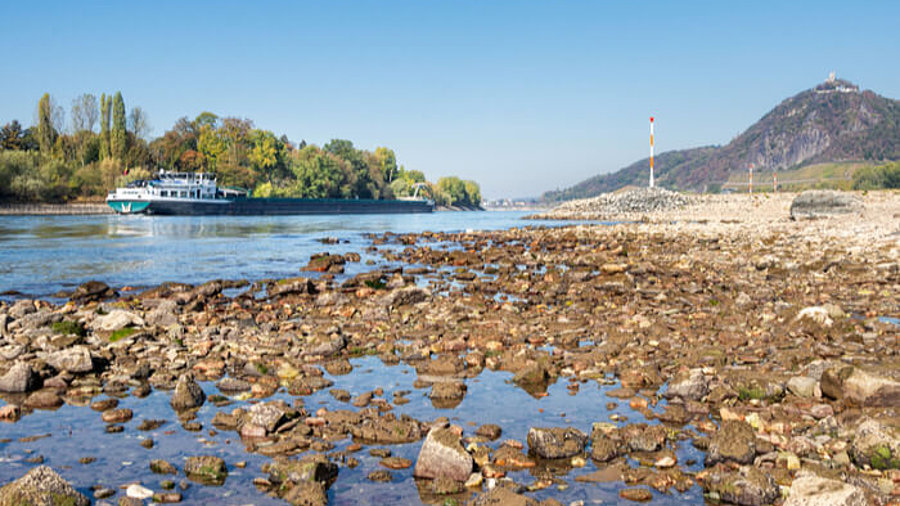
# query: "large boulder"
[[20, 378], [76, 359], [556, 442], [206, 469], [92, 291], [442, 456], [41, 486], [858, 387], [747, 486], [302, 481], [116, 320], [187, 394], [814, 203], [876, 445], [688, 384], [812, 490], [735, 441]]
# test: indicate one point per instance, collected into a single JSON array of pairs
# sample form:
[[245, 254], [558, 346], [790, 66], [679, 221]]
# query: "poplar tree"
[[118, 139], [46, 133], [104, 127]]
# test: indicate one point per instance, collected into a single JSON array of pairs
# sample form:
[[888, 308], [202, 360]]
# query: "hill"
[[831, 123]]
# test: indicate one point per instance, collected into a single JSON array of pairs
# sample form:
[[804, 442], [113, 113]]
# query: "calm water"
[[41, 255]]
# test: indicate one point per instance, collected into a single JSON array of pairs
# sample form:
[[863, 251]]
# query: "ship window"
[[182, 194], [163, 193]]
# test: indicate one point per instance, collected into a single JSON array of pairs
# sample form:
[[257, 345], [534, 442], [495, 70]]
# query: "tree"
[[138, 123], [84, 113], [46, 132], [264, 154], [212, 145], [104, 126], [11, 136], [388, 163], [118, 140]]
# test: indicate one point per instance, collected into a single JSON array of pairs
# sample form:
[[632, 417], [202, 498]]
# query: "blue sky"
[[522, 96]]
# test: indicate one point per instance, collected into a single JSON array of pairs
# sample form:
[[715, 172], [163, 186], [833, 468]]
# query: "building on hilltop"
[[834, 85]]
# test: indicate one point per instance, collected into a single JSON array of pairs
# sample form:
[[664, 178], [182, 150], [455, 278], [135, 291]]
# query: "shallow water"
[[41, 255], [77, 432]]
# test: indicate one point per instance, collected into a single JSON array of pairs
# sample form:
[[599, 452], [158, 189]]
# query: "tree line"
[[103, 147]]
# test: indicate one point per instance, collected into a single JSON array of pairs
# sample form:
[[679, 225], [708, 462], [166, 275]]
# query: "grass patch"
[[121, 334], [376, 284], [69, 328], [748, 393]]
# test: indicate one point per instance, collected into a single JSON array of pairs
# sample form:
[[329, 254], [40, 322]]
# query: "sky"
[[521, 96]]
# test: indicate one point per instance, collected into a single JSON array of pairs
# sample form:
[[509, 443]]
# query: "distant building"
[[834, 85]]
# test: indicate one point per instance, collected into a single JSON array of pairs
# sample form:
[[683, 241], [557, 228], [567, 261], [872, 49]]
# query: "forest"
[[103, 145]]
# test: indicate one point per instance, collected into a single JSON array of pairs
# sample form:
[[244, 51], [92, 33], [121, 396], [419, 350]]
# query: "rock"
[[299, 285], [387, 430], [445, 486], [307, 493], [187, 394], [41, 486], [380, 476], [805, 387], [326, 346], [10, 413], [640, 200], [443, 456], [734, 441], [816, 314], [230, 384], [19, 379], [406, 296], [76, 359], [448, 390], [502, 496], [688, 384], [21, 308], [814, 203], [267, 415], [44, 399], [92, 291], [556, 442], [748, 486], [532, 374], [811, 490], [116, 320], [163, 315], [138, 492], [162, 467], [117, 415], [603, 449], [206, 469], [305, 480], [636, 494], [490, 431], [876, 445], [167, 498], [641, 437], [864, 389]]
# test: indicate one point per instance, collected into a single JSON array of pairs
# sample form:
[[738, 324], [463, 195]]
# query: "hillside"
[[833, 122]]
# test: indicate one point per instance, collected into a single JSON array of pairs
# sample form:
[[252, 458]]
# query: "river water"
[[40, 256]]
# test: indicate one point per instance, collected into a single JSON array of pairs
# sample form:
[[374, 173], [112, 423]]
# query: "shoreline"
[[751, 338]]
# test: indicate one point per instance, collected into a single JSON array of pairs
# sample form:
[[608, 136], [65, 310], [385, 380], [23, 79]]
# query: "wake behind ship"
[[190, 193]]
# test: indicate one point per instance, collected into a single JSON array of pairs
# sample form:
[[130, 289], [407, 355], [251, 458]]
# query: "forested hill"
[[830, 123]]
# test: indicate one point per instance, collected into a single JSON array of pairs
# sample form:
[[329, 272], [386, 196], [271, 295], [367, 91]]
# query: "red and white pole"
[[774, 182], [651, 151]]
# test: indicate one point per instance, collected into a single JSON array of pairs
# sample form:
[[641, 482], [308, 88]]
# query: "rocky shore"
[[768, 344]]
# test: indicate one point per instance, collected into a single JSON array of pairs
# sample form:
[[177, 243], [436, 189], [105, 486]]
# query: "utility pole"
[[651, 151]]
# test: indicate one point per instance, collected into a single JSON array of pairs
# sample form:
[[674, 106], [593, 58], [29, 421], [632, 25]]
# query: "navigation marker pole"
[[774, 182], [651, 151], [751, 179]]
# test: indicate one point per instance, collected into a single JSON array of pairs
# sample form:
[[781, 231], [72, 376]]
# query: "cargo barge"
[[193, 194]]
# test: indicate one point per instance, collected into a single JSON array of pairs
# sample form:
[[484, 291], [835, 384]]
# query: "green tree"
[[264, 154], [104, 126], [46, 132], [12, 136], [118, 139]]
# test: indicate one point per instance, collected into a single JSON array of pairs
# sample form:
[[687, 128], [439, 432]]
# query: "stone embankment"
[[758, 340]]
